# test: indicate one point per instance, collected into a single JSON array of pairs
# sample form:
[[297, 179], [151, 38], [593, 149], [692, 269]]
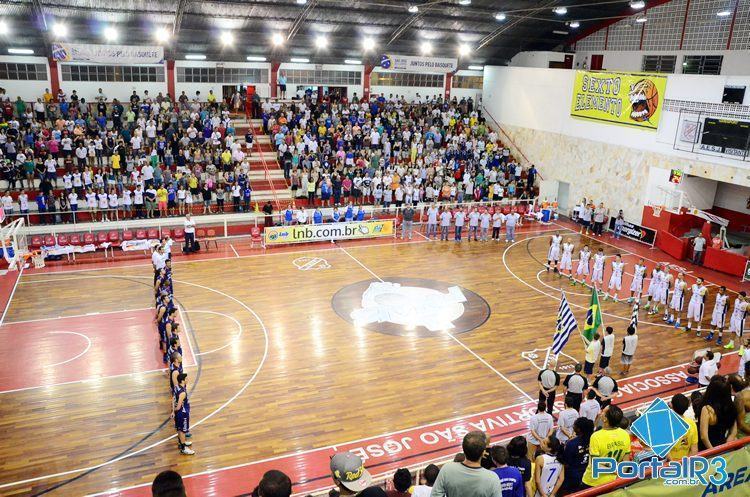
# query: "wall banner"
[[107, 54], [280, 235], [406, 63], [737, 484], [635, 232], [629, 99]]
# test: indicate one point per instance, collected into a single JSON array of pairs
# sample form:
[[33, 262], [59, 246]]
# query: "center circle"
[[410, 307]]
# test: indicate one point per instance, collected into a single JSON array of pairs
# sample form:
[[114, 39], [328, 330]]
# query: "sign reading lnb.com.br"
[[660, 428]]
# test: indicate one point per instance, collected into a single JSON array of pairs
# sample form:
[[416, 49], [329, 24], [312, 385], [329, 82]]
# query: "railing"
[[507, 136]]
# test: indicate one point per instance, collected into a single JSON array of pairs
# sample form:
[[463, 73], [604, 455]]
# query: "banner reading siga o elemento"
[[630, 99]]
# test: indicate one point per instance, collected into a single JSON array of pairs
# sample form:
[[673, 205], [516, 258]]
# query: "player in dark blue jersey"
[[175, 369], [162, 312], [181, 414], [174, 346]]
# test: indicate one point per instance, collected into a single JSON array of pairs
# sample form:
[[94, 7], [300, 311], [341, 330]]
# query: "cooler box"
[[546, 215]]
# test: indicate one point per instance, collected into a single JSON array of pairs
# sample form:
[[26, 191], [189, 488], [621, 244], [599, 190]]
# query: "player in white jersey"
[[597, 275], [737, 320], [672, 313], [666, 284], [718, 317], [584, 258], [615, 280], [553, 255], [566, 261], [636, 286], [654, 289], [549, 472], [695, 308]]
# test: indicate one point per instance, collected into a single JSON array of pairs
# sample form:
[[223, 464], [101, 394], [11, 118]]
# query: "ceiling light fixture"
[[3, 28], [560, 32], [641, 19], [464, 50], [637, 4], [227, 38], [499, 16], [301, 2], [60, 30], [299, 60], [575, 24], [161, 35], [476, 68], [110, 33], [277, 39], [413, 9], [255, 58], [426, 48], [20, 51], [464, 2], [353, 62], [321, 42], [195, 56], [561, 11], [368, 44], [724, 13]]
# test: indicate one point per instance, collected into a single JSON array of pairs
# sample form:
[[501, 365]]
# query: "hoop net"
[[657, 210]]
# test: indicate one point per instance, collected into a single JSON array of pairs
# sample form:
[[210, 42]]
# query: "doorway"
[[563, 197]]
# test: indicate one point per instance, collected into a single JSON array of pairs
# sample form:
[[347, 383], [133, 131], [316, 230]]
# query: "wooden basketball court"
[[278, 369]]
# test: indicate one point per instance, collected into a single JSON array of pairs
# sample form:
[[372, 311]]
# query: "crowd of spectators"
[[154, 157], [559, 464]]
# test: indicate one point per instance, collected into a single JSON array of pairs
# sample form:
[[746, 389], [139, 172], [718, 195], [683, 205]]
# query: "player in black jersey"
[[181, 414]]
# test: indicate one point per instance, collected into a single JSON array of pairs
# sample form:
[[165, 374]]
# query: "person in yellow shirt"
[[211, 98], [611, 441], [687, 446], [116, 163], [161, 199], [47, 96], [226, 157]]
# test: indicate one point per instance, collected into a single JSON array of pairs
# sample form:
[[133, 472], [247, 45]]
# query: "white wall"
[[350, 89], [735, 63], [700, 192], [539, 59], [264, 90], [733, 197], [120, 90], [28, 90]]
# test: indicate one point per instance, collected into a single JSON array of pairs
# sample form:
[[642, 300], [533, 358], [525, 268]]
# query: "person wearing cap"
[[349, 474], [468, 478]]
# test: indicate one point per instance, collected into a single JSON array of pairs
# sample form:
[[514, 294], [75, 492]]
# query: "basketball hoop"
[[657, 210]]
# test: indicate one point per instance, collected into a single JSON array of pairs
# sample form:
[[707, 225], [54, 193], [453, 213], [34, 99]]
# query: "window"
[[702, 64], [408, 79], [26, 72], [234, 75], [659, 63], [136, 74], [472, 82], [322, 77]]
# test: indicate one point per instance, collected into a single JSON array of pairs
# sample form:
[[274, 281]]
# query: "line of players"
[[661, 284], [171, 348]]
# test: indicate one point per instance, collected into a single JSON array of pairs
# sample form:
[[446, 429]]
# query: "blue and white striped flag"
[[566, 325]]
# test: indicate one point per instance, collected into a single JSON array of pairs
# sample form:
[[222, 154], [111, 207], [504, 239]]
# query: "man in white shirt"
[[158, 260], [189, 232], [709, 367], [565, 421], [590, 407], [432, 216], [445, 224]]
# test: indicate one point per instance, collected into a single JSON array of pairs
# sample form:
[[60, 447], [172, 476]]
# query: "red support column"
[[54, 76], [731, 26], [684, 23], [448, 85], [274, 78], [366, 81], [171, 81]]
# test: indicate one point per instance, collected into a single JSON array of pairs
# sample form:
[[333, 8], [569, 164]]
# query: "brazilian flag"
[[593, 317]]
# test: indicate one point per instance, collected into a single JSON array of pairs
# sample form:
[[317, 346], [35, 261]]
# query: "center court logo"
[[661, 428]]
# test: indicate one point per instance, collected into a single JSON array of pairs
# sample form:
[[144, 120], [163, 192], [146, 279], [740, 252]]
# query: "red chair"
[[49, 241], [89, 239], [166, 232], [75, 239], [256, 237], [141, 234], [521, 209], [506, 209], [211, 237], [179, 235], [36, 241], [153, 234], [63, 240], [114, 238], [102, 237], [127, 235]]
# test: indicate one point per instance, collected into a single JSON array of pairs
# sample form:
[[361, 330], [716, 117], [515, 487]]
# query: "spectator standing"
[[688, 444], [401, 484], [407, 227], [518, 457], [574, 385], [168, 484], [429, 475], [575, 456], [445, 224], [590, 408], [548, 381], [604, 387], [540, 427], [468, 478], [717, 417], [511, 481], [511, 220], [349, 474], [189, 227], [565, 421], [611, 441], [741, 391], [708, 368], [432, 219], [699, 245], [599, 213], [274, 484], [629, 345], [549, 471]]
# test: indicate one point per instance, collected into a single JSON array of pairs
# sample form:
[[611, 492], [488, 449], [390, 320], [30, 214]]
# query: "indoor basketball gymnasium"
[[315, 247]]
